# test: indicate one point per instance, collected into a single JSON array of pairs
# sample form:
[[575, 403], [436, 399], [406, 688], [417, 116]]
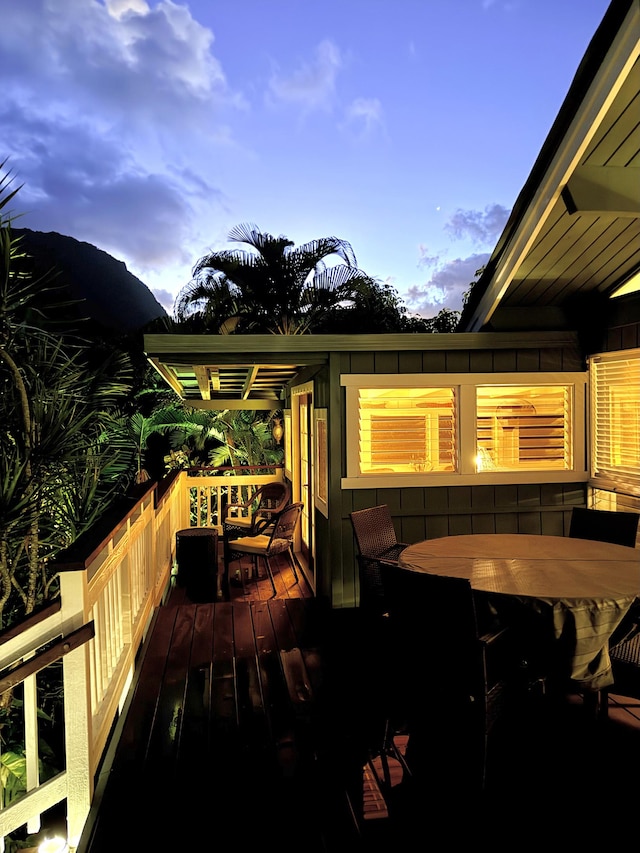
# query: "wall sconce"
[[278, 430], [53, 845]]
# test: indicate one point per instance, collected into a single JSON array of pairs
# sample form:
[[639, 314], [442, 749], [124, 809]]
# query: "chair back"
[[374, 530], [285, 522], [375, 538], [263, 503], [272, 497], [620, 528]]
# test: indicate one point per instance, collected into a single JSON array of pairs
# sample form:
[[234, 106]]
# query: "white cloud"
[[165, 298], [312, 85], [481, 227], [364, 115], [446, 286], [106, 109]]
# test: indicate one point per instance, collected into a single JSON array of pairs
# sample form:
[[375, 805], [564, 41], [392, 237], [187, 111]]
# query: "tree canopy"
[[271, 286]]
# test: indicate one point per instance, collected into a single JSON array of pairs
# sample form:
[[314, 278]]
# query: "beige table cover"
[[588, 585]]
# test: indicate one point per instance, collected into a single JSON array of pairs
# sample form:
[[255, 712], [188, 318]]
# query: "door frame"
[[293, 470]]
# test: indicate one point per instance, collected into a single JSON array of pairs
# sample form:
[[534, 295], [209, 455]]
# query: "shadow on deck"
[[249, 723]]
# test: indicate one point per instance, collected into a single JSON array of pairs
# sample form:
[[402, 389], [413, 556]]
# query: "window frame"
[[612, 477], [465, 385]]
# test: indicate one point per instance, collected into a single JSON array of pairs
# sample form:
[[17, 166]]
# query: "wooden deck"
[[248, 724]]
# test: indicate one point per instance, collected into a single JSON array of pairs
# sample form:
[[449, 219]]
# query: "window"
[[523, 427], [615, 418], [464, 429], [406, 429]]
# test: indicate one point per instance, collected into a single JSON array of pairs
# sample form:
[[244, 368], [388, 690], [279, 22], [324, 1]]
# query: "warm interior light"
[[631, 285], [56, 844]]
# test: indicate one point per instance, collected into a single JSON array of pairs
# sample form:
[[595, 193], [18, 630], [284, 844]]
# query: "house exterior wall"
[[623, 326], [423, 512]]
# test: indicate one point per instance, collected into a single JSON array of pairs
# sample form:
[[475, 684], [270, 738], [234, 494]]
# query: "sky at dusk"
[[150, 128]]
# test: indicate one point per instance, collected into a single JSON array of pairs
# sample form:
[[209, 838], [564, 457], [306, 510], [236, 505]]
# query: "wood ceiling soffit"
[[235, 404], [248, 383], [202, 377], [169, 376]]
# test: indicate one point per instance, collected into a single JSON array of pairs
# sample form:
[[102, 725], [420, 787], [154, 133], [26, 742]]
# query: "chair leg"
[[292, 560], [603, 703], [270, 573]]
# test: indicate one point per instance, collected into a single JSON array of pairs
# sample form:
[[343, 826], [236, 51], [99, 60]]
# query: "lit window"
[[407, 430], [464, 428], [615, 415], [523, 427]]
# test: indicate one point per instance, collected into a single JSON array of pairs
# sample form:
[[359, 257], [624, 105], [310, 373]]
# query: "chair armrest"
[[491, 637], [227, 507], [261, 520]]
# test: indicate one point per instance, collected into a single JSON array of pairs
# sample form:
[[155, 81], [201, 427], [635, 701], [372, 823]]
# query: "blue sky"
[[407, 127]]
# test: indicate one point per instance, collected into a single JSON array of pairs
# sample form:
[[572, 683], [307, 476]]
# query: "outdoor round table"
[[585, 585]]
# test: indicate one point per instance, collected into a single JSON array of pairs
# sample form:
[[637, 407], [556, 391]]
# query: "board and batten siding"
[[427, 512]]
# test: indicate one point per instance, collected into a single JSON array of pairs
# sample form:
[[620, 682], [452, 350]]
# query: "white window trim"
[[465, 384]]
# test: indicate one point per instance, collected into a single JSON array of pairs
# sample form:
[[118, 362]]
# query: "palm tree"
[[270, 285]]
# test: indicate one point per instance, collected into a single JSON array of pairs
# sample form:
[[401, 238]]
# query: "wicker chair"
[[377, 543], [376, 540], [276, 541], [252, 517], [620, 528], [459, 669], [625, 663]]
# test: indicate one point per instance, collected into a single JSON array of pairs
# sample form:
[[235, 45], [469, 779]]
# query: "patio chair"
[[376, 540], [278, 540], [459, 670], [625, 663], [620, 528], [377, 543], [254, 516]]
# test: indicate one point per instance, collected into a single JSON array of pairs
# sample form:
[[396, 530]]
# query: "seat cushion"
[[251, 544], [259, 545]]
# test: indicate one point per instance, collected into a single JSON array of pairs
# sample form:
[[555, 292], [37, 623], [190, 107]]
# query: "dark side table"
[[197, 558]]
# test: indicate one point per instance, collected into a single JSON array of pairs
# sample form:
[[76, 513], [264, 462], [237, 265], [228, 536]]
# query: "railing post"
[[77, 709]]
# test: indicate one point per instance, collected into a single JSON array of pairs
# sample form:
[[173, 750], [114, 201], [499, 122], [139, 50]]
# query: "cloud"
[[165, 298], [106, 107], [364, 116], [445, 287], [481, 227], [450, 278], [312, 85]]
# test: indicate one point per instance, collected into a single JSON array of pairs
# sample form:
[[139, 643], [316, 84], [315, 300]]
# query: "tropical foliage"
[[58, 468], [195, 437]]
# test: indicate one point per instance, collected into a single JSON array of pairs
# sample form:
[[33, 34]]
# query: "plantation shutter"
[[615, 418], [407, 430]]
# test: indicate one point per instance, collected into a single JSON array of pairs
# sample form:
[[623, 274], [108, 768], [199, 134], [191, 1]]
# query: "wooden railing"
[[110, 587]]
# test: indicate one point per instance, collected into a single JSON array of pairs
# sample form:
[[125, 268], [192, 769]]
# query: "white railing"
[[110, 594], [206, 491]]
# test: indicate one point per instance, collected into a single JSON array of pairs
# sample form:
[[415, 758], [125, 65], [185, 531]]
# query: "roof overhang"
[[254, 371]]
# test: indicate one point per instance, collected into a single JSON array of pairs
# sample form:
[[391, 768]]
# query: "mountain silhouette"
[[102, 289]]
